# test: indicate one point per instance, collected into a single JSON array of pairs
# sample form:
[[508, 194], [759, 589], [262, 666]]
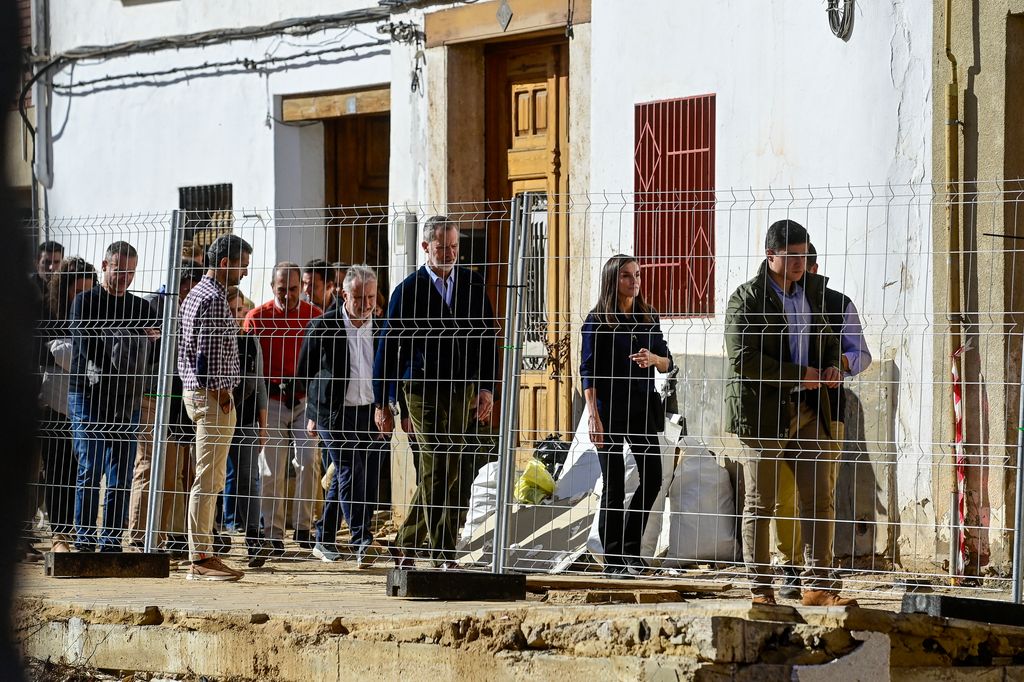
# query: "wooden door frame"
[[478, 23], [499, 187], [319, 106]]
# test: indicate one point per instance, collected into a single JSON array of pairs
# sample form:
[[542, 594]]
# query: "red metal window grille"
[[674, 194]]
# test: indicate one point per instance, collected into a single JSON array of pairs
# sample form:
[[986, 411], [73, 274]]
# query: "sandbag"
[[700, 509]]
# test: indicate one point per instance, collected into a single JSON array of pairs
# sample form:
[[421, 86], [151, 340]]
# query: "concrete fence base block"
[[867, 663], [979, 610], [456, 585], [106, 565]]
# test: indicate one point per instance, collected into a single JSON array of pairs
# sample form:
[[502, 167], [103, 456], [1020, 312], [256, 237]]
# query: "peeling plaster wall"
[[986, 42]]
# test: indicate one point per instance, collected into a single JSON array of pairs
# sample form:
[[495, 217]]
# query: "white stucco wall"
[[128, 149], [796, 108]]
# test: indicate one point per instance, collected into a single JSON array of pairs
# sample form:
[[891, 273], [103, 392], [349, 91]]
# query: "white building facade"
[[833, 133]]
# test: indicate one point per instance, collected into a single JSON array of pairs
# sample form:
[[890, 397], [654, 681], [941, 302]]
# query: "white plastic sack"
[[483, 499], [701, 511], [581, 471]]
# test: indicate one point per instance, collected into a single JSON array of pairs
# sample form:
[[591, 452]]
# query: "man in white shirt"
[[337, 357]]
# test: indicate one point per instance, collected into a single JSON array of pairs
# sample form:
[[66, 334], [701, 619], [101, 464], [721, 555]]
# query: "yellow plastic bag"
[[535, 485]]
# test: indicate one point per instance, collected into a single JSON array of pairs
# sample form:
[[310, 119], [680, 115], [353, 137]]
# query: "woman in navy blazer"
[[622, 346]]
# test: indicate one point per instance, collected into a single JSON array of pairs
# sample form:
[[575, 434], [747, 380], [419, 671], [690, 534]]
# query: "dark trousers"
[[622, 528], [227, 514], [244, 499], [358, 453], [60, 471], [105, 450], [451, 451]]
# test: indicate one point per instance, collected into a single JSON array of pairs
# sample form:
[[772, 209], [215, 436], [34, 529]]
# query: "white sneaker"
[[321, 552]]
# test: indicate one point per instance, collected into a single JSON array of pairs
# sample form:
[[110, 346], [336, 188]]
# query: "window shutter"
[[674, 204], [208, 212]]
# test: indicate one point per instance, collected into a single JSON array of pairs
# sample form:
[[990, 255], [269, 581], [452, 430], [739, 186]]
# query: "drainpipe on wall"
[[953, 285], [42, 161]]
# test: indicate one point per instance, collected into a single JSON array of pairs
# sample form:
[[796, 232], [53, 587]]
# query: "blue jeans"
[[105, 450], [226, 511], [357, 452]]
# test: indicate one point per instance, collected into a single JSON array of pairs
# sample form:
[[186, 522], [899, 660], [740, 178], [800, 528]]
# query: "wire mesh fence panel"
[[751, 385], [97, 332]]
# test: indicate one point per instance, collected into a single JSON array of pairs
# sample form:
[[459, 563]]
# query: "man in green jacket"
[[781, 352]]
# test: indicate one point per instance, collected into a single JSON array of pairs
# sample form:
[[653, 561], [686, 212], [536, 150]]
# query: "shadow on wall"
[[867, 509]]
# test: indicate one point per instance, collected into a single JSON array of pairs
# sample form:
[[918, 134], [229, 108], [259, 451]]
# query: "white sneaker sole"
[[213, 578], [323, 557]]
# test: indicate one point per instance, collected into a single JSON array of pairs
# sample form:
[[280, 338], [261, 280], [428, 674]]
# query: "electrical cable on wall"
[[294, 27], [841, 20], [245, 64], [298, 26]]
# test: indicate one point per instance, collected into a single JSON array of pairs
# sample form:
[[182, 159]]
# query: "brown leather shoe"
[[825, 598], [764, 599]]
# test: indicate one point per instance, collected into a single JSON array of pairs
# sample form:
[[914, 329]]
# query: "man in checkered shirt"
[[208, 366]]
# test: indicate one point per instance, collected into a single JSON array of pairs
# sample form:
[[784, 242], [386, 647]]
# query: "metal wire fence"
[[527, 402]]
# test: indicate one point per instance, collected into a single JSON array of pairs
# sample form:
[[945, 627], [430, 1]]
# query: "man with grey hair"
[[337, 356], [438, 346], [280, 324]]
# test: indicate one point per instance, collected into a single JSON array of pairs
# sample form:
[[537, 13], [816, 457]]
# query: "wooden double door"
[[527, 88], [357, 154]]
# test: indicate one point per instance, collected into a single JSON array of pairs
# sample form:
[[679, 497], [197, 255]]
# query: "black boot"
[[790, 583], [255, 551], [304, 539], [221, 543]]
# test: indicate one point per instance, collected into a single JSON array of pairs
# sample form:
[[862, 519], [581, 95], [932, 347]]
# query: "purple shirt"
[[798, 318]]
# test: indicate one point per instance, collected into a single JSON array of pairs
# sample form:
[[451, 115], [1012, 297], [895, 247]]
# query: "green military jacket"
[[761, 378]]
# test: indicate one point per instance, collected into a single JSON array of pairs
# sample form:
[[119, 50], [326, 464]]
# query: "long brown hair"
[[607, 308], [70, 271]]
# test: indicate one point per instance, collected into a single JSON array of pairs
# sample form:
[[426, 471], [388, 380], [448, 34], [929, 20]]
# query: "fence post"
[[1018, 507], [168, 359], [517, 240]]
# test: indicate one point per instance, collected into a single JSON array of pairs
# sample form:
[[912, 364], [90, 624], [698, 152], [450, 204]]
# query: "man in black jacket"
[[337, 355], [109, 349], [439, 341]]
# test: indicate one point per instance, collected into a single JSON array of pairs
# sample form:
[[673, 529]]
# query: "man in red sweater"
[[280, 325]]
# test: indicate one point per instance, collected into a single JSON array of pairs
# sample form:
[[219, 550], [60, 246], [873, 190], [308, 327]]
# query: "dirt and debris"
[[291, 622]]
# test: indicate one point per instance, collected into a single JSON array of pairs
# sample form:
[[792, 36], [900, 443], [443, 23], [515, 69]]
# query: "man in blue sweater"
[[438, 342]]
